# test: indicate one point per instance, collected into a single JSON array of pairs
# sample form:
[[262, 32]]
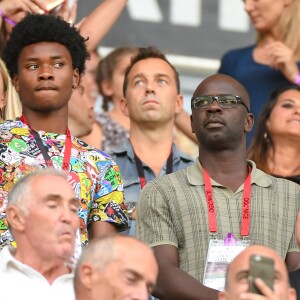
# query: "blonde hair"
[[288, 25], [13, 108]]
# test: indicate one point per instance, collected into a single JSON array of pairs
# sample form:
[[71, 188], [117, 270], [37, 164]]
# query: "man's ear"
[[249, 122], [15, 82], [179, 104], [76, 78], [16, 218], [86, 271], [292, 294], [124, 106], [191, 117], [222, 295], [288, 2]]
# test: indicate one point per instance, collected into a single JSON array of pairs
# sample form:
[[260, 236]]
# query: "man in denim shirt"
[[151, 100]]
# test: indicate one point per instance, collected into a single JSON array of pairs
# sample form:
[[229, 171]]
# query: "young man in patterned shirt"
[[46, 58]]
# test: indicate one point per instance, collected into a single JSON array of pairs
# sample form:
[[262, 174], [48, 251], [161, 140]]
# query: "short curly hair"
[[36, 28]]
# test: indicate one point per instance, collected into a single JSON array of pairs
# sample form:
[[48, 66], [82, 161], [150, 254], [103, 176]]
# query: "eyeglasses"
[[224, 101]]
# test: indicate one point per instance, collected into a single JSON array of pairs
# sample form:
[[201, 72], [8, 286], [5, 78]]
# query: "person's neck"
[[150, 143], [283, 160], [268, 37], [49, 268], [226, 167], [55, 122]]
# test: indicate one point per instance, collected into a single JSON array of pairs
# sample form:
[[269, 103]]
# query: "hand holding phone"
[[263, 268]]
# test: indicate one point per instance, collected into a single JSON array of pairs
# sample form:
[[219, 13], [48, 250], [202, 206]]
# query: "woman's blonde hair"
[[13, 108], [289, 27]]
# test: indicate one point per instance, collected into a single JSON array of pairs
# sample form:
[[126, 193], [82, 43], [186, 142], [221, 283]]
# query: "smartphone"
[[262, 267], [51, 4]]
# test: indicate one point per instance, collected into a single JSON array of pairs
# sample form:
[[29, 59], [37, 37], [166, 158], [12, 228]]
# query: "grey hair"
[[107, 246], [21, 191]]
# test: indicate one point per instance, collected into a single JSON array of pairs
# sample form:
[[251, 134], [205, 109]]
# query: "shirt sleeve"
[[108, 201], [154, 223]]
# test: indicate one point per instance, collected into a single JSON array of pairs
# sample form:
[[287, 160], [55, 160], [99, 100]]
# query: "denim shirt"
[[124, 157]]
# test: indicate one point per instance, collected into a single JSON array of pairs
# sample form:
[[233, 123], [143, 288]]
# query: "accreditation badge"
[[220, 254]]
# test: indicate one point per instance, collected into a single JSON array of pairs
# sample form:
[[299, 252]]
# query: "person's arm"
[[108, 213], [175, 284], [183, 123], [96, 25], [292, 261], [100, 229]]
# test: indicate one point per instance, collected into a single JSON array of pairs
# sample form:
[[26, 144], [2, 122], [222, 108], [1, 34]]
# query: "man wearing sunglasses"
[[199, 218]]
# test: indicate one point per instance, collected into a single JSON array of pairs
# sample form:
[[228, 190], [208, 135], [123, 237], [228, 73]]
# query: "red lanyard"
[[212, 221], [43, 149]]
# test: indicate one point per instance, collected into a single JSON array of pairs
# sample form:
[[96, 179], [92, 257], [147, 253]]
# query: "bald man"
[[223, 195], [237, 285], [116, 268]]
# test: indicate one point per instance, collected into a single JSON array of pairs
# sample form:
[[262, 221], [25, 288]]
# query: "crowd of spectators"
[[101, 203]]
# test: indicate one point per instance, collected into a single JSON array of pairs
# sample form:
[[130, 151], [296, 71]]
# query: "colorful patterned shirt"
[[94, 176]]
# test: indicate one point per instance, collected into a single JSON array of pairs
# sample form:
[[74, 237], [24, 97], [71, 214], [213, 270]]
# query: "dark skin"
[[45, 82], [175, 284], [221, 134]]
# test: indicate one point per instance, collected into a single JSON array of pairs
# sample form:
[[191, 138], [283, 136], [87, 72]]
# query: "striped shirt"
[[172, 211]]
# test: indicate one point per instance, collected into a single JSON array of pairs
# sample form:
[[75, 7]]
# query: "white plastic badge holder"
[[218, 258]]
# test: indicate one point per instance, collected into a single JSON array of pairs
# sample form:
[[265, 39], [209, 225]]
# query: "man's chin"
[[66, 252]]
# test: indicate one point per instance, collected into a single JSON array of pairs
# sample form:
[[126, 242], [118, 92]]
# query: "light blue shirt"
[[124, 157]]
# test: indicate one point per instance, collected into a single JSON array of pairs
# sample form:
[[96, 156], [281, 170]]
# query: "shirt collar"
[[7, 258], [127, 148], [258, 177]]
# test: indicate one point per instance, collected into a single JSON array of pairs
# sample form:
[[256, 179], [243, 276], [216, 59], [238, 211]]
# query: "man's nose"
[[46, 73], [66, 215], [214, 107], [141, 292], [150, 88], [248, 5]]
